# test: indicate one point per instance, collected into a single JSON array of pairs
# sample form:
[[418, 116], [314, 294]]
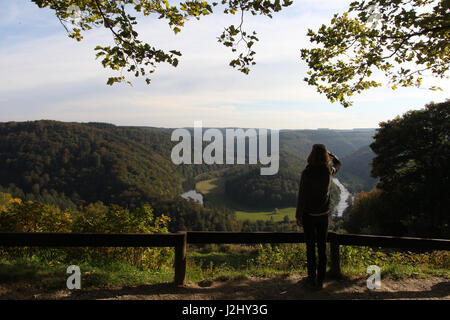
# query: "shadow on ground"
[[275, 288]]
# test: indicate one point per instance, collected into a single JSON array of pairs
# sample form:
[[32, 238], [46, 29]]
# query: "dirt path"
[[275, 288]]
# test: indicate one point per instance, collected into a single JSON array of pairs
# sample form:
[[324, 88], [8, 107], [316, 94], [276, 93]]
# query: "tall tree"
[[403, 39], [412, 163]]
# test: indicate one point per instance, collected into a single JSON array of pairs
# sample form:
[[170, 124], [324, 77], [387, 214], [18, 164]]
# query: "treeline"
[[188, 215], [54, 198], [249, 188]]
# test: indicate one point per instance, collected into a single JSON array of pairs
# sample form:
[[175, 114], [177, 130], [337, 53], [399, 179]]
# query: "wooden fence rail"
[[44, 239], [181, 239]]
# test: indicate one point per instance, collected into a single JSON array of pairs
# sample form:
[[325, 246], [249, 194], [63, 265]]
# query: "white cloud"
[[54, 77]]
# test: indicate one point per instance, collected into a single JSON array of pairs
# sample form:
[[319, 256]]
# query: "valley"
[[71, 165]]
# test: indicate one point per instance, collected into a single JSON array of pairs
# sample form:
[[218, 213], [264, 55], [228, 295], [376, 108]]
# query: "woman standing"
[[313, 206]]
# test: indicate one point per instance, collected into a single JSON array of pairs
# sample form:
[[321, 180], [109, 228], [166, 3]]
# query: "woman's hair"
[[319, 155]]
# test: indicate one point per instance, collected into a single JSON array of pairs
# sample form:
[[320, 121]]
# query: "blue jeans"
[[316, 230]]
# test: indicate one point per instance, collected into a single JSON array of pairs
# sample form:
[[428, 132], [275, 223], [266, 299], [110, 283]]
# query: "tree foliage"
[[33, 216], [404, 39], [85, 163], [74, 165], [246, 186], [400, 38], [130, 53], [412, 161], [356, 171]]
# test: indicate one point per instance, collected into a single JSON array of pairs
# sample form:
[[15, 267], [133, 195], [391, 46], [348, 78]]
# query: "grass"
[[213, 191], [38, 273], [215, 185], [220, 266], [397, 271], [233, 265], [267, 261], [221, 263]]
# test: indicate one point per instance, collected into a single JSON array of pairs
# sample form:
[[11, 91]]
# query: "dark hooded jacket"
[[314, 192]]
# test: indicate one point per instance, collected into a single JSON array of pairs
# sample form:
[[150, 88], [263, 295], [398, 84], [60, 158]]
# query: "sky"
[[47, 75]]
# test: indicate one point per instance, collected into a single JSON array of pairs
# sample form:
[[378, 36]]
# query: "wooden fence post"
[[180, 259], [335, 266]]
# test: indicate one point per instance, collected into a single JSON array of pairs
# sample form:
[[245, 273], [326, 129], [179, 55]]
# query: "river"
[[343, 201], [338, 210], [194, 195]]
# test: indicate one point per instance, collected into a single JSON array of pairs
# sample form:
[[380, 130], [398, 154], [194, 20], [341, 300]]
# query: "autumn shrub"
[[282, 256], [31, 216]]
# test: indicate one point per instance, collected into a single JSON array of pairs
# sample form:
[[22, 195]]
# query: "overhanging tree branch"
[[385, 47]]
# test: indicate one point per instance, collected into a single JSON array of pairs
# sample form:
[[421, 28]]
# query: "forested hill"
[[356, 171], [79, 163], [340, 142], [246, 186], [86, 162]]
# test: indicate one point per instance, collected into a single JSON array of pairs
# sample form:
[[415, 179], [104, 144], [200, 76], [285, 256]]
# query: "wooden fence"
[[181, 239]]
